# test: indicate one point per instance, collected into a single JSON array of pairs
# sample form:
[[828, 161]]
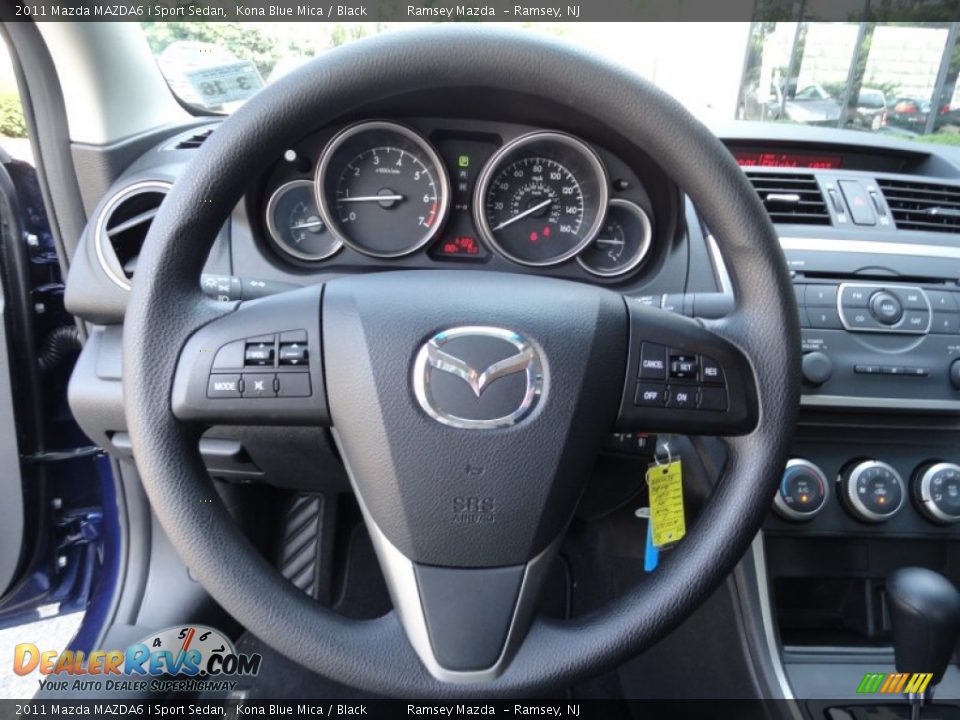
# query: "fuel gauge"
[[622, 243], [295, 224]]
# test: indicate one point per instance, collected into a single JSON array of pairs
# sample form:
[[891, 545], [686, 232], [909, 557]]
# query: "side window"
[[13, 126]]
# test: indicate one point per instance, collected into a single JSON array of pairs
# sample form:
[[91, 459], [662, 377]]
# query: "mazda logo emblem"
[[467, 353]]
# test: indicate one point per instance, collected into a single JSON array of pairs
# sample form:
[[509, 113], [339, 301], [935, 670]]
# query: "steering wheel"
[[468, 407]]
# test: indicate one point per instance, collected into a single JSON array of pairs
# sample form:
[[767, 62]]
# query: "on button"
[[682, 397]]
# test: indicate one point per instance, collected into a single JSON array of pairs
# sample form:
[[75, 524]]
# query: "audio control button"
[[945, 323], [915, 320], [910, 297], [861, 319], [821, 295], [826, 318], [856, 296], [940, 300], [886, 307]]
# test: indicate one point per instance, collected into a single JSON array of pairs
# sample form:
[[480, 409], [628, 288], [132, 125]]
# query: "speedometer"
[[382, 189], [540, 199]]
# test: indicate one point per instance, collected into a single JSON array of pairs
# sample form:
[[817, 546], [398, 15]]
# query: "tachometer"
[[382, 189], [295, 225], [541, 198]]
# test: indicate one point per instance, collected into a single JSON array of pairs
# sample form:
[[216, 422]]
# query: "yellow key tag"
[[666, 503]]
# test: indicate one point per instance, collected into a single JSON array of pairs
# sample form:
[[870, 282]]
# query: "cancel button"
[[653, 362]]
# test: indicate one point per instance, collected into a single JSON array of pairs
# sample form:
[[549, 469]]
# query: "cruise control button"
[[710, 371], [945, 323], [293, 354], [821, 295], [824, 317], [713, 398], [293, 384], [855, 297], [653, 361], [683, 367], [650, 395], [223, 386], [681, 396], [258, 385]]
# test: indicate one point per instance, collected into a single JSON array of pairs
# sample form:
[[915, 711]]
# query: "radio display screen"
[[778, 159]]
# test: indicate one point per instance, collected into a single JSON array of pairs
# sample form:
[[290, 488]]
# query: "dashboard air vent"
[[123, 225], [791, 198], [923, 206], [194, 141]]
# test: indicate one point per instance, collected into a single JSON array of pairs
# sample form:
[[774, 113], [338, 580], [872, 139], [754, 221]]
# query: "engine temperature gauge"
[[622, 243], [295, 225]]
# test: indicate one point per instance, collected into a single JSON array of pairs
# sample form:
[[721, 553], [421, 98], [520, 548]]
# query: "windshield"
[[892, 78]]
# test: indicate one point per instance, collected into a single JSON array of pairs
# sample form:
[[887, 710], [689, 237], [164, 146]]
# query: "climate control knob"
[[803, 491], [936, 491], [872, 491]]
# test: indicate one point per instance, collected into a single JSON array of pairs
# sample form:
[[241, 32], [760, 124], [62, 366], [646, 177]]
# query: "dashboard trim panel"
[[871, 247]]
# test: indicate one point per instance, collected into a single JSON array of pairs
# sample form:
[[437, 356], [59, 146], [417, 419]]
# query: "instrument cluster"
[[385, 190]]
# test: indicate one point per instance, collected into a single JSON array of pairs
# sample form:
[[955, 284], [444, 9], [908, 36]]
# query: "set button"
[[683, 367]]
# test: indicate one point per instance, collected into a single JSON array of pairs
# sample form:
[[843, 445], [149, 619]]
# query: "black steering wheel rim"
[[166, 306]]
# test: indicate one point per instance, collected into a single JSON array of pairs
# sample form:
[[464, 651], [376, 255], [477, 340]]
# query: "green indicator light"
[[463, 161]]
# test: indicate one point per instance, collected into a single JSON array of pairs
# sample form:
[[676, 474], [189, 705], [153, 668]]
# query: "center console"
[[874, 481]]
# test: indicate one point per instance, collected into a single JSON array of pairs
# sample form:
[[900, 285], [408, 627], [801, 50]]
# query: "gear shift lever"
[[925, 611]]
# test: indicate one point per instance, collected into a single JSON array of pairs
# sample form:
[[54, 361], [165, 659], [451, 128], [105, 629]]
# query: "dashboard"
[[869, 227], [430, 192]]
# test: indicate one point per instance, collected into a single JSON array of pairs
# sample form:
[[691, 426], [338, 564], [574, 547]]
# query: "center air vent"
[[791, 198], [923, 206], [123, 225]]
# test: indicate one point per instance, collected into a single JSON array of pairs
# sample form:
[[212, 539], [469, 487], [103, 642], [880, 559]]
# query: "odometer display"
[[382, 189], [541, 198]]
